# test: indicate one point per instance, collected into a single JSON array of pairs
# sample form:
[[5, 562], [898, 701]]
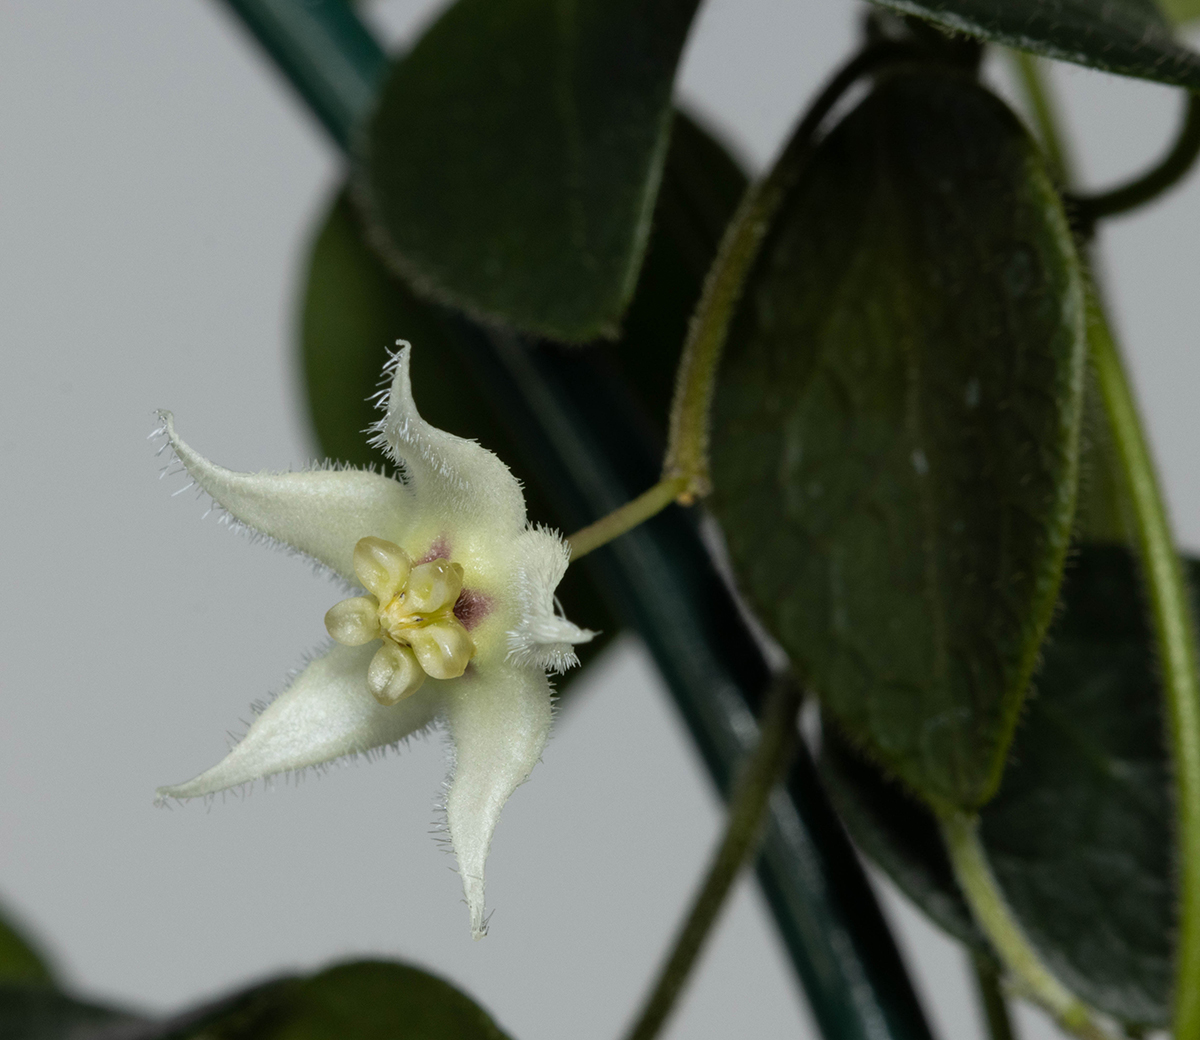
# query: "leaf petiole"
[[626, 518], [960, 831]]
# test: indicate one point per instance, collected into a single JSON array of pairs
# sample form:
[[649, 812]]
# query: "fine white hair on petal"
[[499, 724], [543, 638], [451, 476], [326, 713], [321, 512]]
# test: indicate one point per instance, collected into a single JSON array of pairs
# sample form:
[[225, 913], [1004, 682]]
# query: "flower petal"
[[499, 721], [453, 477], [326, 713], [543, 638], [323, 513]]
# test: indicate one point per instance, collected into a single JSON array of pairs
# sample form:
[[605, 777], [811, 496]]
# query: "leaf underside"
[[512, 163], [896, 428], [1079, 834], [1131, 37]]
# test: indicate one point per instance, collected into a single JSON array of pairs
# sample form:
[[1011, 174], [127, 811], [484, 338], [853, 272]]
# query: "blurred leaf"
[[363, 1000], [1131, 37], [360, 1000], [512, 164], [896, 427], [1079, 835], [1182, 10], [41, 1013], [20, 962]]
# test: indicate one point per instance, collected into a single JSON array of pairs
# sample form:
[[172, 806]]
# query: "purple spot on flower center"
[[472, 607], [440, 550]]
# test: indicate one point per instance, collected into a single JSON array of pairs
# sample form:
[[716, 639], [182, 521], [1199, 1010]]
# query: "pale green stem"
[[960, 831], [1174, 630], [1174, 633], [991, 999], [747, 810], [1042, 107], [626, 518], [688, 438]]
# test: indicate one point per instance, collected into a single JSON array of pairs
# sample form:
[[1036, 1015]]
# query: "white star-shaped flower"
[[458, 622]]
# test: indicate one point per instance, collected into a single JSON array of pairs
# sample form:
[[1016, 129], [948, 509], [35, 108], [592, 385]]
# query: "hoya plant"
[[853, 437]]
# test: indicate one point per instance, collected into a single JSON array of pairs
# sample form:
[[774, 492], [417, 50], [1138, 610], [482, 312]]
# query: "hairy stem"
[[1042, 107], [960, 832], [1174, 631], [991, 999], [626, 518], [688, 437], [747, 810]]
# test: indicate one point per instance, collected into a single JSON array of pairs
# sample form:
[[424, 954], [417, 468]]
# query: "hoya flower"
[[457, 621]]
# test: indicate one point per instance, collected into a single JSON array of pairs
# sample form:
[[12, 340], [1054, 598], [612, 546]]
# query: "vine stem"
[[1174, 630], [688, 437], [960, 831], [747, 809], [1043, 109], [1173, 623], [1137, 192]]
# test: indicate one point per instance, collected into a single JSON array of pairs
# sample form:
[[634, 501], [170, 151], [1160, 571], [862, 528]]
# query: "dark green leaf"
[[42, 1013], [512, 163], [896, 428], [1127, 36], [1079, 835], [897, 833], [363, 1000], [20, 962]]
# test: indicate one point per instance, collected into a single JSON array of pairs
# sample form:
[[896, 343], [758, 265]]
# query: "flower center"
[[411, 608]]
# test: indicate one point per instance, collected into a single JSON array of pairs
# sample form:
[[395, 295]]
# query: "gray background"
[[158, 185]]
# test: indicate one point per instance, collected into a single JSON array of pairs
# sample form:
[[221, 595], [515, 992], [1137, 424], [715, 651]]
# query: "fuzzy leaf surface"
[[896, 428], [1131, 37], [513, 160], [1079, 835]]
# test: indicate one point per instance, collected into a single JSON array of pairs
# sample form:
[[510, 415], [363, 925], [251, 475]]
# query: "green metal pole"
[[576, 427]]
